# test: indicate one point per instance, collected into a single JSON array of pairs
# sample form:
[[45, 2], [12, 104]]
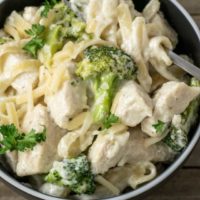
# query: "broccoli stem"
[[178, 137], [189, 116], [103, 87], [65, 26], [54, 43], [104, 67]]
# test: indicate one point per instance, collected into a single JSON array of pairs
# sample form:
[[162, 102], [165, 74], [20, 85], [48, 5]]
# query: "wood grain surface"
[[185, 185]]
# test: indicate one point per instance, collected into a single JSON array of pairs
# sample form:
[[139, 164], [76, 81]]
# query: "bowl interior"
[[189, 41]]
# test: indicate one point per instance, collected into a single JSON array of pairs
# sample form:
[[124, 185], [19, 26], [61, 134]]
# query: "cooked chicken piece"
[[136, 150], [24, 81], [132, 104], [171, 99], [67, 102], [40, 159], [71, 67], [107, 151], [12, 158]]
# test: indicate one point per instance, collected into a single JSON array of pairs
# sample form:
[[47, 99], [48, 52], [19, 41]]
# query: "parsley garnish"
[[37, 41], [110, 120], [35, 30], [33, 46], [159, 126], [11, 139], [48, 5]]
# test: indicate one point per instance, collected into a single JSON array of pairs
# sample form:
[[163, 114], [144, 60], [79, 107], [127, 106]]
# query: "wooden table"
[[185, 185]]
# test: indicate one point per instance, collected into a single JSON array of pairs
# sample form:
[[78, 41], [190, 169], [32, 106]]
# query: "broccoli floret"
[[73, 173], [190, 115], [106, 59], [178, 137], [54, 42], [104, 67], [194, 82], [72, 27], [65, 26], [160, 127]]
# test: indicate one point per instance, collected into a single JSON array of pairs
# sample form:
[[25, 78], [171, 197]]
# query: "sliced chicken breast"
[[41, 158], [171, 99], [132, 104], [107, 151], [66, 103]]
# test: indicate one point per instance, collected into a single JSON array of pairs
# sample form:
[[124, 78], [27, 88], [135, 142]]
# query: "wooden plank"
[[194, 159], [197, 19], [8, 194], [193, 6], [183, 186]]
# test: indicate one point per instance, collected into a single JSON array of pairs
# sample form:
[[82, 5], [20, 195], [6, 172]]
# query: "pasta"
[[108, 185], [142, 173], [16, 26], [91, 96], [151, 10], [75, 142]]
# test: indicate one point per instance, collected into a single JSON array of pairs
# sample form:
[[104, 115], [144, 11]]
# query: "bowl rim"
[[143, 189]]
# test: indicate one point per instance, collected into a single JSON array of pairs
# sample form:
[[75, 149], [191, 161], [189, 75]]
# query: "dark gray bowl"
[[189, 43]]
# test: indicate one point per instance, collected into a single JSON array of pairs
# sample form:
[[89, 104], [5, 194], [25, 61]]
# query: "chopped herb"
[[33, 46], [11, 139], [37, 41], [36, 30], [110, 120], [48, 5], [159, 126]]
